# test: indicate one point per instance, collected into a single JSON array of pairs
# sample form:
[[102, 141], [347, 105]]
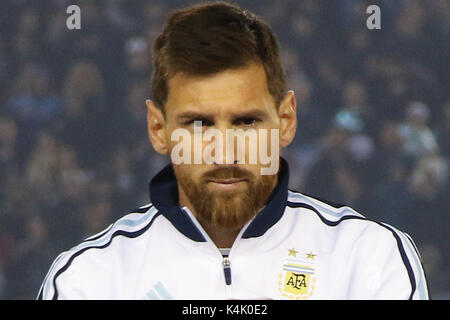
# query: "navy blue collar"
[[164, 196]]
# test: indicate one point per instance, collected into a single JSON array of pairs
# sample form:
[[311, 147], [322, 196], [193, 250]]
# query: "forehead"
[[229, 90]]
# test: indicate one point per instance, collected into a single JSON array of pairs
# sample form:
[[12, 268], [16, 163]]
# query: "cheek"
[[189, 173]]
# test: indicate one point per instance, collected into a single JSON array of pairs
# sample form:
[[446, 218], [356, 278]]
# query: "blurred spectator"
[[137, 59], [389, 174], [7, 247], [427, 217], [333, 155], [358, 144], [62, 214], [42, 167], [130, 121], [328, 80], [437, 271], [349, 189], [30, 261], [116, 16], [33, 103], [96, 216], [418, 137], [8, 135], [429, 176], [32, 100], [391, 197], [13, 191], [26, 41], [389, 143], [444, 131], [85, 111], [312, 119], [4, 67], [354, 100], [123, 179]]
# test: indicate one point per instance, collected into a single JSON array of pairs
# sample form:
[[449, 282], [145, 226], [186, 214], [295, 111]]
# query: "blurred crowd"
[[373, 108]]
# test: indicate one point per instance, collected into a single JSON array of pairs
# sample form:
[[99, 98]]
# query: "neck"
[[222, 237]]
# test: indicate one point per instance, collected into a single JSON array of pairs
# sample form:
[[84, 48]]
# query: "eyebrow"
[[256, 113], [187, 115]]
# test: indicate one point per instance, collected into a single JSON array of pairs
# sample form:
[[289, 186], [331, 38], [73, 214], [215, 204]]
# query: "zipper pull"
[[227, 270]]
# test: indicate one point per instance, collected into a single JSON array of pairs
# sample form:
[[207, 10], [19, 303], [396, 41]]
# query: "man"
[[223, 227]]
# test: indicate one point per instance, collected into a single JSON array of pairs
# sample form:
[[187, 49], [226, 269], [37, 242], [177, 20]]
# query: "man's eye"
[[247, 121], [199, 123]]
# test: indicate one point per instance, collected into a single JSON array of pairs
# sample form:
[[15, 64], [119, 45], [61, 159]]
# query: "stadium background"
[[373, 107]]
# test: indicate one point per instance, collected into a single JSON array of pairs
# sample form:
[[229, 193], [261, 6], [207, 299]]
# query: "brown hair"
[[208, 38]]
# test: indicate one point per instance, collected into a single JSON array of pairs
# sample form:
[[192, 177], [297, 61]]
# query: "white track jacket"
[[297, 247]]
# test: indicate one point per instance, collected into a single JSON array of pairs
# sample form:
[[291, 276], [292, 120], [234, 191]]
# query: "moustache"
[[231, 172]]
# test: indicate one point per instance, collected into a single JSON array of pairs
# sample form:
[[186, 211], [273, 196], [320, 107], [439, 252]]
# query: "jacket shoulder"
[[72, 267]]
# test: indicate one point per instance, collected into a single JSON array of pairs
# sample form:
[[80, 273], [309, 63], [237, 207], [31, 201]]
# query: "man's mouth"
[[229, 184], [227, 181]]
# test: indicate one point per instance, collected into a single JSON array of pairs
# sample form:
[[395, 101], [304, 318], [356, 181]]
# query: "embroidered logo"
[[297, 279]]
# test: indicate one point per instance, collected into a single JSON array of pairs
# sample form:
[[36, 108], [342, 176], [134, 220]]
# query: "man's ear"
[[156, 126], [288, 119]]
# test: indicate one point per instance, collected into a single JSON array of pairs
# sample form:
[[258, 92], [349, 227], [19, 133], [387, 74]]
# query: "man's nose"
[[227, 145], [238, 146]]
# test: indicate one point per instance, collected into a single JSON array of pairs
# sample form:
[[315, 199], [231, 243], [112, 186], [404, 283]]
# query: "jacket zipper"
[[225, 259], [227, 270]]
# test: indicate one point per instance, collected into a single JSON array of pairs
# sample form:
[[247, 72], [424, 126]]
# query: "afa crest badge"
[[297, 279]]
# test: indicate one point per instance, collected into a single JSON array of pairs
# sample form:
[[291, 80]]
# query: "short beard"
[[227, 210]]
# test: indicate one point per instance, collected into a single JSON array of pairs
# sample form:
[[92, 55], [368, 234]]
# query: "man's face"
[[224, 194]]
